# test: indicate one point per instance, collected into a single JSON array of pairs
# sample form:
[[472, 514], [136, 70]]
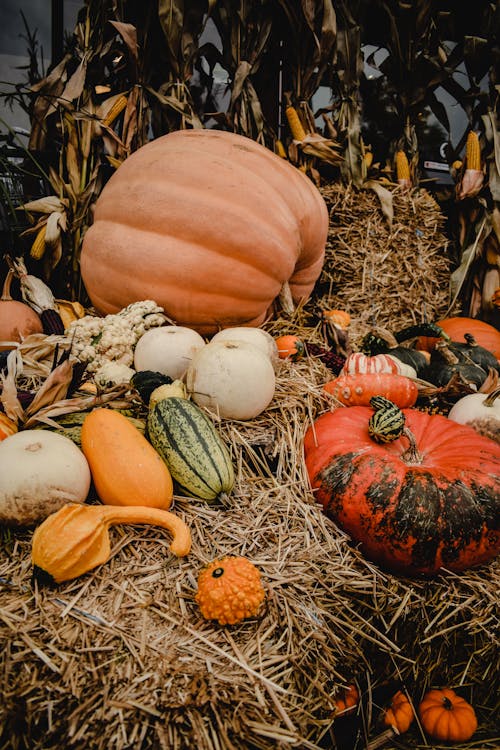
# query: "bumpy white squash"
[[40, 471], [256, 336], [167, 349], [233, 379]]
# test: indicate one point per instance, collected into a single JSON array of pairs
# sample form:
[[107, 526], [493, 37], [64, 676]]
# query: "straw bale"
[[121, 658], [385, 273]]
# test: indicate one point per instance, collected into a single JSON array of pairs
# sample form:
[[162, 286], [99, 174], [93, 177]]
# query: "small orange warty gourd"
[[347, 700], [209, 224], [446, 716], [399, 713], [229, 590], [125, 467]]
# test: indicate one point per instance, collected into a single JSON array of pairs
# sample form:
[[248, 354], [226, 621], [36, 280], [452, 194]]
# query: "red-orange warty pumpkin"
[[413, 514], [210, 225]]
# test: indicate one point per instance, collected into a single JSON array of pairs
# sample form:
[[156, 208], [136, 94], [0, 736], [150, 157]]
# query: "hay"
[[121, 658], [389, 274]]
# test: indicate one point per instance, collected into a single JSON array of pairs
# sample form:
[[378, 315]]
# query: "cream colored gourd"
[[479, 410], [40, 471], [257, 336], [167, 349], [233, 379]]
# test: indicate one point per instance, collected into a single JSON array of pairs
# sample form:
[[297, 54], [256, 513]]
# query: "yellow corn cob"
[[402, 166], [368, 159], [280, 149], [115, 110], [473, 151], [295, 124], [38, 247]]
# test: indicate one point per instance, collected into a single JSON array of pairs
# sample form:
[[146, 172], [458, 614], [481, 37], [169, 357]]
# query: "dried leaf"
[[129, 35], [73, 167], [491, 383], [471, 184], [55, 223], [74, 87], [385, 198], [8, 396], [45, 205], [53, 389]]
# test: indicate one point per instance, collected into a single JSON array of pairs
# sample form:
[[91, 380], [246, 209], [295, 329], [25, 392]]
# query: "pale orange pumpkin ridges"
[[210, 225]]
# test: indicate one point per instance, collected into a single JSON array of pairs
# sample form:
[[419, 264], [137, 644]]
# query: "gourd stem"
[[412, 454], [114, 514], [6, 295], [491, 397], [448, 355]]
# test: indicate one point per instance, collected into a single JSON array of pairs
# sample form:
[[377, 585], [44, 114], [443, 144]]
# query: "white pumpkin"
[[257, 336], [40, 471], [479, 410], [233, 379], [167, 349]]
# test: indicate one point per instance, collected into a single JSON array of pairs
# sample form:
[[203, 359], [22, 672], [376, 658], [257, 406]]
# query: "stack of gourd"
[[420, 493]]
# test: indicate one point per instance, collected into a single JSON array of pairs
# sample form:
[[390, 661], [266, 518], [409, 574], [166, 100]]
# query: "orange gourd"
[[444, 715], [484, 333], [210, 225], [126, 469], [399, 713], [290, 347], [358, 389], [17, 320], [230, 590], [7, 426], [75, 539], [347, 700]]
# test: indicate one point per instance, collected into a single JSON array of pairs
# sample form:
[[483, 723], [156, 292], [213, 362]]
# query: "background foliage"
[[132, 71]]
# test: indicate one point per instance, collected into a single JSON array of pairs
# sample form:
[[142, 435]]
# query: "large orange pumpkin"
[[210, 225], [413, 508]]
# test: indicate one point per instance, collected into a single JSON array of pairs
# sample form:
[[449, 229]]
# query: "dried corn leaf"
[[54, 388]]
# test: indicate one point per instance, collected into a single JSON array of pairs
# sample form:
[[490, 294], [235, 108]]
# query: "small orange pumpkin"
[[399, 713], [339, 318], [290, 347], [229, 590], [446, 716], [347, 700], [7, 426], [17, 319]]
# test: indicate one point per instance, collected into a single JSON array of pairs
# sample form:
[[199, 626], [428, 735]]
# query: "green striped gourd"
[[194, 452], [387, 423]]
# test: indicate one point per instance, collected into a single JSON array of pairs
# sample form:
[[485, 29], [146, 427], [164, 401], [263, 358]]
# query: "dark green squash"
[[448, 360]]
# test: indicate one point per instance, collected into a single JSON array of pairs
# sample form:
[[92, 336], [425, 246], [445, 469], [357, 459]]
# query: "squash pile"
[[418, 492]]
